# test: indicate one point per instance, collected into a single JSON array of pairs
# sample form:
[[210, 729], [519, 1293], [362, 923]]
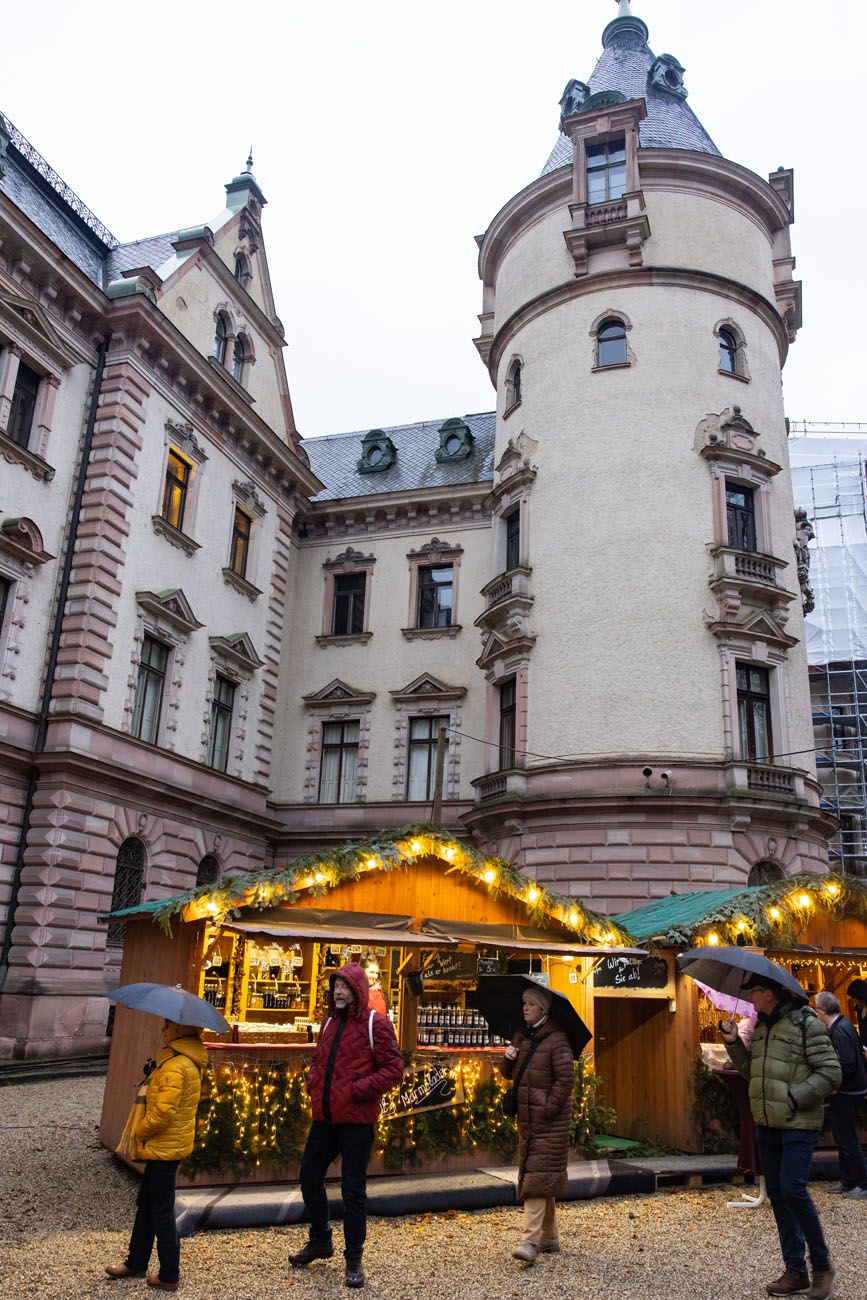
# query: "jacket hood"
[[357, 980], [191, 1046]]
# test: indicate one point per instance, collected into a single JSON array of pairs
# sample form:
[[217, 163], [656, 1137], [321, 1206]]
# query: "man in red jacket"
[[357, 1060]]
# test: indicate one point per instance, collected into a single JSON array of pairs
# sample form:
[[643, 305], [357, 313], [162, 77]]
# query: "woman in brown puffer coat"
[[544, 1120]]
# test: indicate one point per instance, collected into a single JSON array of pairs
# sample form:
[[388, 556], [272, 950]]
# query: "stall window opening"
[[435, 588], [508, 719], [421, 768], [339, 762], [348, 613], [754, 713], [222, 705], [149, 690]]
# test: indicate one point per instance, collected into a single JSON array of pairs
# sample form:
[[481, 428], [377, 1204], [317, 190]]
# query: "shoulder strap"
[[370, 1029], [526, 1061]]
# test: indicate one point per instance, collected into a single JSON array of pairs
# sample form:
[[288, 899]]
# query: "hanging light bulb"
[[490, 875], [370, 864], [415, 847], [532, 894], [573, 917], [774, 913], [832, 889], [319, 877], [713, 938], [449, 852]]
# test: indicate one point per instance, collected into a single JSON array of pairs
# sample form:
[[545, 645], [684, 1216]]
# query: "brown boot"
[[121, 1270], [823, 1283], [154, 1279], [790, 1283]]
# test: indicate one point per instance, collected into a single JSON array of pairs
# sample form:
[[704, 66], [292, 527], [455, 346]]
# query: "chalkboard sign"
[[624, 974], [452, 966], [428, 1087], [489, 965]]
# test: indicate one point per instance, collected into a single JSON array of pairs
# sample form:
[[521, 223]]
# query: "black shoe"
[[354, 1273], [320, 1248]]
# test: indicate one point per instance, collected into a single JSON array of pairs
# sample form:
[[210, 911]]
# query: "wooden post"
[[437, 810]]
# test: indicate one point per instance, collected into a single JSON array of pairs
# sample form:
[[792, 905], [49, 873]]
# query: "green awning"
[[678, 911]]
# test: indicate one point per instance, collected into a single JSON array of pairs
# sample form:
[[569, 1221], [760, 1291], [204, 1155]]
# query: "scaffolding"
[[828, 475]]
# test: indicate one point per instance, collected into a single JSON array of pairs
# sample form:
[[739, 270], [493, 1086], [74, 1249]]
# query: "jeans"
[[786, 1156], [155, 1218], [325, 1142], [844, 1126]]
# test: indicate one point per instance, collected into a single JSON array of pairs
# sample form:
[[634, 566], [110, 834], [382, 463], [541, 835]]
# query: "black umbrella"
[[725, 970], [498, 997]]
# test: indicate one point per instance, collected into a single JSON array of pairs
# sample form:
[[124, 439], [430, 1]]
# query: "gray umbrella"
[[171, 1004], [725, 970]]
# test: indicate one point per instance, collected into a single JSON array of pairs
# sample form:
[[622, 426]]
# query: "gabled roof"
[[677, 911], [624, 66], [334, 459]]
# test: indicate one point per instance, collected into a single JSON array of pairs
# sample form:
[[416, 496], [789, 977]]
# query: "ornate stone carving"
[[804, 534], [667, 75], [349, 557], [246, 493], [183, 434], [21, 538], [574, 97]]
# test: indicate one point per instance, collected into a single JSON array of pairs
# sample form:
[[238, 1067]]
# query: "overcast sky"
[[386, 135]]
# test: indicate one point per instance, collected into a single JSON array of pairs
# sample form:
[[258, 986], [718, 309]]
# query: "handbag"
[[509, 1099]]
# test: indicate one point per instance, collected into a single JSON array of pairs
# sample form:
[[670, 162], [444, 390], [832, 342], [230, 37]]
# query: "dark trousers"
[[786, 1156], [155, 1220], [844, 1126], [325, 1142]]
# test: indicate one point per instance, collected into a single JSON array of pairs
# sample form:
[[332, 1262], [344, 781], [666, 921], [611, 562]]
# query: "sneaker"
[[526, 1252], [840, 1189], [549, 1246], [319, 1248], [823, 1283], [354, 1273], [857, 1193], [790, 1283]]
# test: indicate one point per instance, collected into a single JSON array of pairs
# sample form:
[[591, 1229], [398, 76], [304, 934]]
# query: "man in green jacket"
[[792, 1067]]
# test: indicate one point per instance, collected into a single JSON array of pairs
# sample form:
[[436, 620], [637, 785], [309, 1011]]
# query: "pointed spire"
[[249, 167], [624, 8], [626, 28]]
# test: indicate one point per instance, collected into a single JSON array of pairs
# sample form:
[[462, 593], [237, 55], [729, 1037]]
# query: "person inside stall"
[[376, 998], [857, 991]]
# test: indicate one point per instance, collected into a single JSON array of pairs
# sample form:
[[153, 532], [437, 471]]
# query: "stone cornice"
[[646, 277], [139, 326], [15, 454], [446, 507]]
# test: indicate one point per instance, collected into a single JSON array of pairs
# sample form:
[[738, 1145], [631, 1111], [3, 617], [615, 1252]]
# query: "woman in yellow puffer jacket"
[[161, 1133]]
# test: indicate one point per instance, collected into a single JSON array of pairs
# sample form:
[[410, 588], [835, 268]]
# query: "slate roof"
[[152, 251], [683, 911], [670, 123], [334, 459]]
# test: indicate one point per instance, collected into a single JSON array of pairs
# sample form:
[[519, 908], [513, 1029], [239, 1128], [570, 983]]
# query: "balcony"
[[508, 604], [505, 784], [748, 578]]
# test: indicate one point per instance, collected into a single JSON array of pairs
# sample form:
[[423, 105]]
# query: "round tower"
[[648, 711]]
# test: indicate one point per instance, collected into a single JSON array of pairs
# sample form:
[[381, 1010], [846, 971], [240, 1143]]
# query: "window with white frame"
[[435, 590], [606, 171], [150, 688], [339, 761], [421, 758], [222, 710]]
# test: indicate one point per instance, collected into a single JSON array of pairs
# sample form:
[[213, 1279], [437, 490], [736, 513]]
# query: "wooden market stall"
[[430, 913], [652, 1024]]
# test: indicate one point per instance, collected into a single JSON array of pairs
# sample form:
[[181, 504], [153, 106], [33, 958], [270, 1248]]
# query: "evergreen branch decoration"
[[315, 874]]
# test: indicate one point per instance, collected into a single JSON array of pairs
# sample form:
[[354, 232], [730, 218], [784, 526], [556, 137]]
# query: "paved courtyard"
[[66, 1208]]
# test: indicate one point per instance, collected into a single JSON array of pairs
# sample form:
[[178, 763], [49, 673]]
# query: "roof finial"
[[623, 8], [250, 156]]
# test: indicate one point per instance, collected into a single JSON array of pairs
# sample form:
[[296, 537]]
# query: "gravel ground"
[[66, 1209]]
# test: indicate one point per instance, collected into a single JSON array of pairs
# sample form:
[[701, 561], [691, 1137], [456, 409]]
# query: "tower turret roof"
[[628, 69]]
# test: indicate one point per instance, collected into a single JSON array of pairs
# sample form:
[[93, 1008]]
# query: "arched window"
[[209, 870], [728, 352], [611, 343], [221, 339], [128, 884], [242, 268], [765, 873], [239, 359], [513, 384]]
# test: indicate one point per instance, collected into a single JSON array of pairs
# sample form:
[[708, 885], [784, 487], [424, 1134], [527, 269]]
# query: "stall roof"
[[677, 911], [325, 925], [520, 938]]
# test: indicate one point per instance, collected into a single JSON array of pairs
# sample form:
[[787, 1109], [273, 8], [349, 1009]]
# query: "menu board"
[[447, 966], [649, 976]]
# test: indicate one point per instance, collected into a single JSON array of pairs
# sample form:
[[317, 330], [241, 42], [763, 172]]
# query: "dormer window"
[[606, 171], [221, 339], [378, 452], [456, 441]]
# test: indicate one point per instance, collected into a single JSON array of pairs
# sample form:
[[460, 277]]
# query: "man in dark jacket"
[[857, 991], [844, 1104], [357, 1060], [792, 1067]]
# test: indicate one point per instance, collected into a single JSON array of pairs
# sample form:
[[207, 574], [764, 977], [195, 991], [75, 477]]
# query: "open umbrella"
[[498, 997], [171, 1004], [725, 970], [727, 1002]]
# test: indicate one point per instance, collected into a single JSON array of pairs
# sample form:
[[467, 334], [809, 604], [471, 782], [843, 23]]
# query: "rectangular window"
[[513, 538], [741, 517], [149, 690], [339, 762], [508, 717], [435, 588], [606, 171], [23, 407], [5, 600], [421, 767], [240, 552], [221, 723], [175, 490], [754, 713], [348, 614]]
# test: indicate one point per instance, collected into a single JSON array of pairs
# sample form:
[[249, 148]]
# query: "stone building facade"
[[221, 645]]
